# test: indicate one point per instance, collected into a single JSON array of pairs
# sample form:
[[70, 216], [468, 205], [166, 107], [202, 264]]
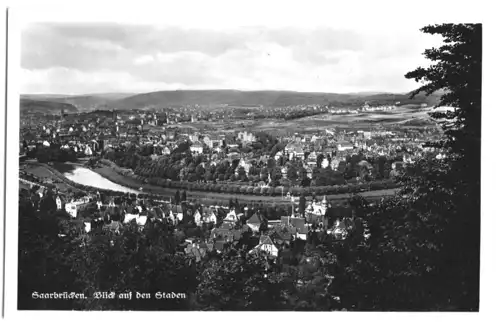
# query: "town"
[[204, 172]]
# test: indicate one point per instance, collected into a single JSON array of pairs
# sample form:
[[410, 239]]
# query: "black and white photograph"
[[174, 166]]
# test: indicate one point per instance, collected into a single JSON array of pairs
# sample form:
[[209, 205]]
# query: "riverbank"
[[128, 183], [133, 183], [52, 176]]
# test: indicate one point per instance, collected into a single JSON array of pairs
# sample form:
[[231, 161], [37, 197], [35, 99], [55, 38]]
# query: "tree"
[[241, 173], [177, 198], [302, 204], [319, 159], [44, 260], [457, 71], [208, 176], [200, 171], [184, 196], [436, 265], [292, 174], [241, 281], [271, 163]]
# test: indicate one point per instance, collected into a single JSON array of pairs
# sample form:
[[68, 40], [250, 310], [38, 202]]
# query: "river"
[[85, 176]]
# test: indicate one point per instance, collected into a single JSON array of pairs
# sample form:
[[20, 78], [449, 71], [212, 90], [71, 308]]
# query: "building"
[[59, 202], [344, 146], [88, 151], [74, 206], [232, 216], [312, 159], [196, 148], [266, 244], [246, 137], [197, 218], [255, 221], [140, 219], [325, 163]]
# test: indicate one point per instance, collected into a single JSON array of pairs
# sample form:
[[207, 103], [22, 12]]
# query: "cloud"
[[84, 58]]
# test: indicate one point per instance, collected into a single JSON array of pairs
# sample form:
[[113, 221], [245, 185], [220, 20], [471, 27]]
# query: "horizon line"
[[222, 89]]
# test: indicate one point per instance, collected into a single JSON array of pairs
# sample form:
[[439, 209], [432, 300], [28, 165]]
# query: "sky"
[[98, 57]]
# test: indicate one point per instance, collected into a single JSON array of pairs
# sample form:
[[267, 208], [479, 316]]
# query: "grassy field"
[[402, 116], [46, 175]]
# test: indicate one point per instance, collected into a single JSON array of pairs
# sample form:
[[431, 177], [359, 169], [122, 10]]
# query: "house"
[[71, 208], [255, 221], [295, 149], [232, 216], [273, 223], [59, 202], [266, 244], [325, 163], [344, 146], [197, 218], [196, 148], [209, 215], [176, 211], [139, 219], [312, 159], [75, 205], [88, 151]]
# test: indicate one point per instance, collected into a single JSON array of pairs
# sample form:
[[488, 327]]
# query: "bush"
[[343, 189], [256, 190], [392, 184]]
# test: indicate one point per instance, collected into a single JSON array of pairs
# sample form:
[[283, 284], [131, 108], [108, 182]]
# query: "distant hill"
[[82, 102], [28, 107], [265, 98], [53, 102]]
